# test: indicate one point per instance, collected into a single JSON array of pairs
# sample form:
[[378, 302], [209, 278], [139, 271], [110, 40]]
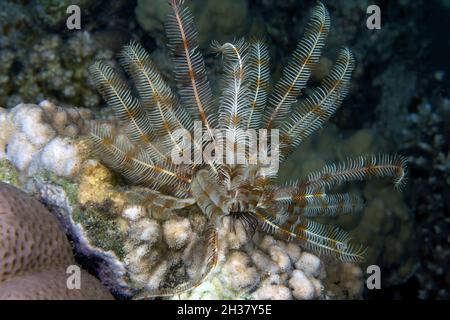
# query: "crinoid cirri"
[[222, 155]]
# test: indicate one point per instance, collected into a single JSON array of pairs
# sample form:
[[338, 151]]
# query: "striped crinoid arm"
[[189, 65], [328, 205], [361, 168], [210, 236], [309, 197], [156, 201], [234, 109], [126, 107], [234, 102], [164, 109], [136, 165], [157, 204], [259, 81], [297, 72], [319, 106], [311, 202], [211, 197], [322, 239]]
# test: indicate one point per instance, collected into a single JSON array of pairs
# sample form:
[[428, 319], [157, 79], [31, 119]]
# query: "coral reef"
[[36, 64], [341, 281], [275, 270], [397, 98], [52, 13], [141, 148], [105, 213], [36, 253], [142, 248], [424, 138], [380, 53]]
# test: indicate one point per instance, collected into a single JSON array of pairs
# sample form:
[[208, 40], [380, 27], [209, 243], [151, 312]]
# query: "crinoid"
[[162, 129]]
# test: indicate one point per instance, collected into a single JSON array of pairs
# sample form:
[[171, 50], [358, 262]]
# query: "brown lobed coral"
[[35, 253]]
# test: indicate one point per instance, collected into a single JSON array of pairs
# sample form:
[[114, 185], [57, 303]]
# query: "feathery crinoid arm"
[[285, 210], [361, 168], [210, 197], [329, 205], [135, 164], [126, 107], [319, 106], [259, 80], [234, 102], [320, 238], [156, 201], [163, 107], [298, 70], [233, 108], [189, 66], [309, 196], [311, 202]]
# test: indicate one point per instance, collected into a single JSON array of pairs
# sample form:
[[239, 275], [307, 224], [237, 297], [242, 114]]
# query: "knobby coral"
[[158, 128]]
